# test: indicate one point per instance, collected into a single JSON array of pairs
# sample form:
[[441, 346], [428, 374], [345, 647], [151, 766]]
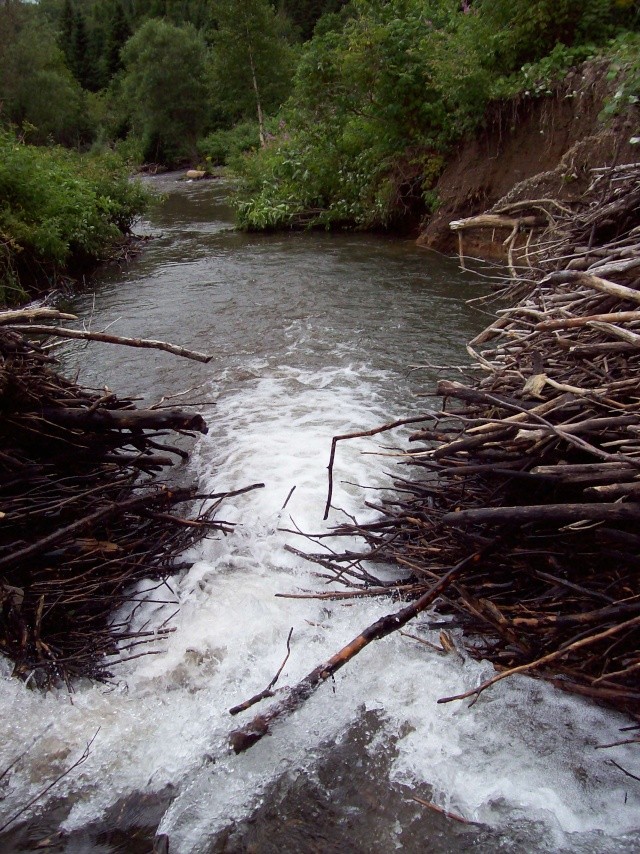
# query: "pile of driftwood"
[[521, 514], [535, 467], [83, 516]]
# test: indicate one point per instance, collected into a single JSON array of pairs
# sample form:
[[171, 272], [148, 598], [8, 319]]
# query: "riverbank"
[[531, 147], [63, 213]]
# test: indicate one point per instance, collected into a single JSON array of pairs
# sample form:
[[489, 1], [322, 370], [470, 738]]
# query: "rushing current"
[[312, 335]]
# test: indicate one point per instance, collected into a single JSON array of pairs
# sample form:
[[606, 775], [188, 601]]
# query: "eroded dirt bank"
[[531, 148]]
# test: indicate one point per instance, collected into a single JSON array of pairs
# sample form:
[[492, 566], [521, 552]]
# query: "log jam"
[[84, 514], [534, 462]]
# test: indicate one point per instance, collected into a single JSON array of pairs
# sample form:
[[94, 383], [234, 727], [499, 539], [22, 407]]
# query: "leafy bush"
[[624, 52], [385, 89], [373, 87], [164, 90], [537, 79], [58, 209], [37, 90], [222, 146]]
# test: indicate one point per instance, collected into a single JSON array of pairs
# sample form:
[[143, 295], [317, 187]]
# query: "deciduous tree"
[[164, 87], [253, 62], [37, 90]]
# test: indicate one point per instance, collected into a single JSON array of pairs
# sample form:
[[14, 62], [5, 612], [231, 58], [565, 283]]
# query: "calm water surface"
[[311, 335]]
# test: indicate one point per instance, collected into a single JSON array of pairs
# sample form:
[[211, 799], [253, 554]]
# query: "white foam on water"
[[523, 751]]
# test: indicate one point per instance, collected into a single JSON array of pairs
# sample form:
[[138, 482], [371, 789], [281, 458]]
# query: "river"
[[312, 335]]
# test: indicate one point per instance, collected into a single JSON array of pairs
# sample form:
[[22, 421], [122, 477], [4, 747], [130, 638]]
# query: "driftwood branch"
[[551, 513], [267, 692], [25, 315], [497, 221], [105, 338], [244, 738], [363, 434], [124, 419]]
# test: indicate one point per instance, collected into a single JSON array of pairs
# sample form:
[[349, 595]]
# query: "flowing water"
[[312, 335]]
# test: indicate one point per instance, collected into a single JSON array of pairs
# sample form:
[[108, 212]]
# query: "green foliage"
[[118, 34], [385, 89], [304, 14], [37, 90], [371, 87], [79, 50], [624, 53], [227, 145], [59, 209], [252, 63], [164, 89], [178, 12], [537, 79], [515, 32]]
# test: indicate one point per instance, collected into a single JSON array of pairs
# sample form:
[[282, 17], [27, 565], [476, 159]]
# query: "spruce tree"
[[119, 32], [80, 64]]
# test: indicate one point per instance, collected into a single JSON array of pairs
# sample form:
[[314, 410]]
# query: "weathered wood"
[[124, 419], [612, 329], [83, 518], [244, 738], [603, 285], [22, 315], [576, 322], [614, 490], [105, 338], [497, 221], [560, 514]]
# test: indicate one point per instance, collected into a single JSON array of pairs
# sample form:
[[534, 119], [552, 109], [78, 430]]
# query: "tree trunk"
[[256, 90]]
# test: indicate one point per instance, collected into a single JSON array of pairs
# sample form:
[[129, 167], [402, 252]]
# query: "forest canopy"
[[330, 112]]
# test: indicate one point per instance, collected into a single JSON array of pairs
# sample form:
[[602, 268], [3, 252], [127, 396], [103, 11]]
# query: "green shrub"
[[624, 53], [164, 91], [223, 146], [385, 90], [59, 209]]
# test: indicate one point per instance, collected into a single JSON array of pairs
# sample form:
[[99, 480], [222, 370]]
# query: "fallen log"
[[244, 738], [105, 338], [124, 419], [553, 513], [498, 221]]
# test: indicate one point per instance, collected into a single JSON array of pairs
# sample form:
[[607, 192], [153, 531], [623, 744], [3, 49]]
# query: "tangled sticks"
[[83, 517], [542, 455], [523, 507]]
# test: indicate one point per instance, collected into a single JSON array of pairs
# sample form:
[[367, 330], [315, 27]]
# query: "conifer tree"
[[80, 63], [65, 39], [119, 32]]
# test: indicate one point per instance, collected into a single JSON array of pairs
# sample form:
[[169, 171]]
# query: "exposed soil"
[[532, 147]]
